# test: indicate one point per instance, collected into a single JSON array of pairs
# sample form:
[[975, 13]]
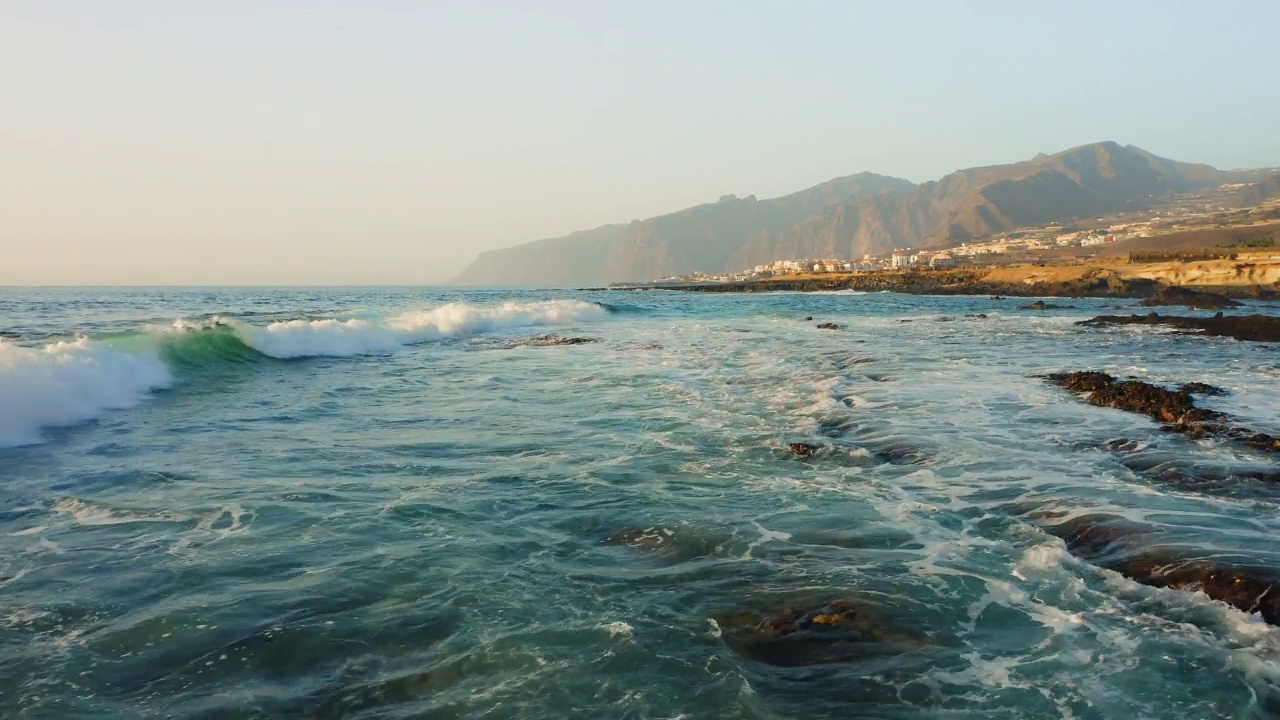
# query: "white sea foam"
[[65, 383], [88, 514], [340, 338], [618, 629]]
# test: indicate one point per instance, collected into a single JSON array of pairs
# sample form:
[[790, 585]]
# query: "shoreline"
[[1249, 279]]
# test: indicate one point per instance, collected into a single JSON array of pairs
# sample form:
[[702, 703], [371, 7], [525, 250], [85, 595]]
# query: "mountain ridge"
[[848, 217]]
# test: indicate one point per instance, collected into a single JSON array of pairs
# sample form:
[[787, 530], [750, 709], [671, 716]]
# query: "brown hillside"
[[850, 217]]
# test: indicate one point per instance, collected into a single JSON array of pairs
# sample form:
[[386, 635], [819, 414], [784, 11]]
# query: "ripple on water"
[[619, 529]]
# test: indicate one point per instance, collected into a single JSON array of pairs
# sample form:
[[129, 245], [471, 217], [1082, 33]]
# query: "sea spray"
[[68, 382], [64, 383]]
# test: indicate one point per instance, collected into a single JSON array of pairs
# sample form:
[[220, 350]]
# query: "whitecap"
[[340, 338], [69, 382]]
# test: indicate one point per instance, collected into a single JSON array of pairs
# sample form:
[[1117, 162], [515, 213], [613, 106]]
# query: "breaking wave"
[[65, 383], [69, 382], [309, 338]]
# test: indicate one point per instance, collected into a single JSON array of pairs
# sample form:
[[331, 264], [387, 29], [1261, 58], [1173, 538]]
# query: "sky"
[[230, 142]]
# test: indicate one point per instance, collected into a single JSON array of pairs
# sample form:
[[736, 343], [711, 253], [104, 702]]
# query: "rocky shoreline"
[[1135, 281], [1255, 328]]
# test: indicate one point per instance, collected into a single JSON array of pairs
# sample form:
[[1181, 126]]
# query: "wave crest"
[[341, 338], [65, 383]]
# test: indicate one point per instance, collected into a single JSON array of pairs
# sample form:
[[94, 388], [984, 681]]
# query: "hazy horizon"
[[228, 144]]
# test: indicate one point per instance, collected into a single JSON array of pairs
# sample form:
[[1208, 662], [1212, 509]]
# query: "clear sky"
[[229, 141]]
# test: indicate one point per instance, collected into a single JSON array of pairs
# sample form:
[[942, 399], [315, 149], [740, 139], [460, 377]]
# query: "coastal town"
[[1056, 243]]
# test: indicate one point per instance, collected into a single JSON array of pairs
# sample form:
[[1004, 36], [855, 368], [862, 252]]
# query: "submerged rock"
[[1256, 328], [549, 340], [1042, 305], [829, 326], [1194, 299], [812, 634], [803, 449], [678, 545]]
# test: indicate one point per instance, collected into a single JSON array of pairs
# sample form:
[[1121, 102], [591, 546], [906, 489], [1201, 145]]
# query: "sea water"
[[223, 503]]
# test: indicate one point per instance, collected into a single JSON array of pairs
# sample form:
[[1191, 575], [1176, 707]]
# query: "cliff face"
[[849, 217]]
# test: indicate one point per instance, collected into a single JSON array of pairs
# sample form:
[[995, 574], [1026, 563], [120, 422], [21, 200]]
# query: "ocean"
[[423, 503]]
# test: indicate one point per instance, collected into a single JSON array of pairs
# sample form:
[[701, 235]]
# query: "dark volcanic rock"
[[1113, 543], [803, 449], [1166, 406], [829, 326], [1263, 441], [1042, 305], [1199, 388], [1175, 408], [1098, 282], [1258, 328], [833, 632], [1193, 299], [549, 340]]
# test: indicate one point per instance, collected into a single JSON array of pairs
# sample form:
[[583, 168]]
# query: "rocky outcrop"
[[1073, 282], [829, 326], [1118, 545], [1256, 328], [1176, 409], [1167, 406], [1200, 388], [1194, 299], [549, 341]]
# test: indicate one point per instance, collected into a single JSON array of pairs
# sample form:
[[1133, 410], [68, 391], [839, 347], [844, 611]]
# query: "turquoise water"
[[386, 503]]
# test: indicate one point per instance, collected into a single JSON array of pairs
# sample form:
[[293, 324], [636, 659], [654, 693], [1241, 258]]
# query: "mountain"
[[849, 217]]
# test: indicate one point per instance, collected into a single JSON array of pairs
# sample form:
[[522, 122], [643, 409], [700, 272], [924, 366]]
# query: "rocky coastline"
[[1236, 280]]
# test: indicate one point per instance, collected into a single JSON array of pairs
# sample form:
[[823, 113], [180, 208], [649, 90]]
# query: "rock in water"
[[1257, 328], [678, 545], [817, 634], [1114, 543], [1193, 299], [829, 326], [803, 449], [1199, 388], [1176, 409], [549, 340], [1167, 406]]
